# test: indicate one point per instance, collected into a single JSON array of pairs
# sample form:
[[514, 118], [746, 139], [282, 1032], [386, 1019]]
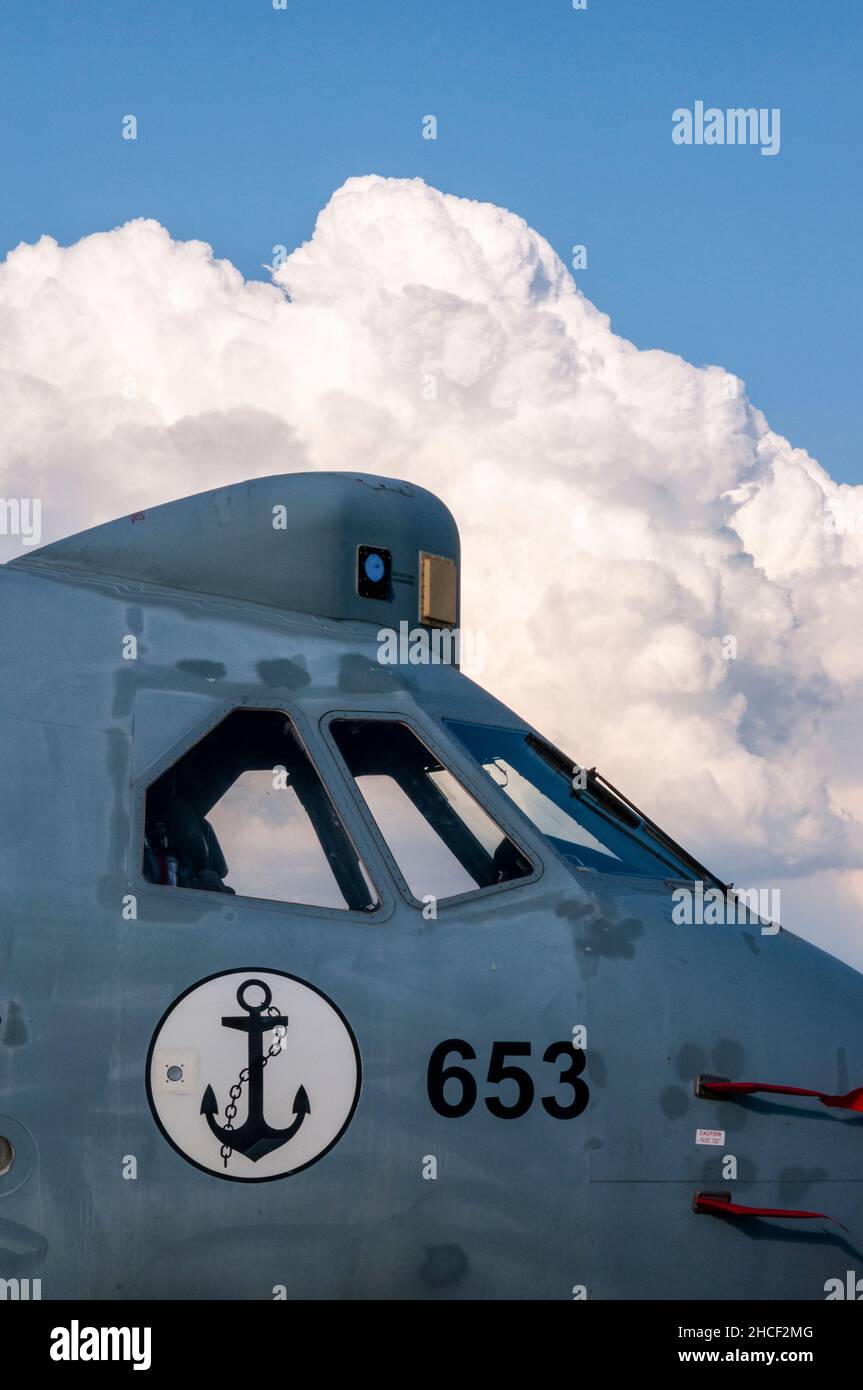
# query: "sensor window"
[[374, 572]]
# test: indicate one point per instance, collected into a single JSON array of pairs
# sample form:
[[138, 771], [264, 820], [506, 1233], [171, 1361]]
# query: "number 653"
[[500, 1069]]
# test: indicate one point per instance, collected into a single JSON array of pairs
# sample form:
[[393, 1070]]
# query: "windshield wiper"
[[620, 806], [601, 790]]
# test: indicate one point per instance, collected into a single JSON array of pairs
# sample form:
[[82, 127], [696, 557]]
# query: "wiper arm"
[[596, 785], [620, 806]]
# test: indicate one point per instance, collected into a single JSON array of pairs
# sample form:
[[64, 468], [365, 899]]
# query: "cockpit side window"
[[250, 786], [590, 824], [443, 842]]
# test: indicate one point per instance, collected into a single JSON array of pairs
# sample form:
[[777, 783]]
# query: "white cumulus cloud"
[[666, 587]]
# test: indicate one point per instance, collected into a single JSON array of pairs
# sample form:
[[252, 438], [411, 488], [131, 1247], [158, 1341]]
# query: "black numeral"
[[500, 1070], [570, 1076], [497, 1071], [439, 1075]]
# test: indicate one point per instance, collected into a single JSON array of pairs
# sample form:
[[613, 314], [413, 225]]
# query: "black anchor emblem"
[[255, 1138]]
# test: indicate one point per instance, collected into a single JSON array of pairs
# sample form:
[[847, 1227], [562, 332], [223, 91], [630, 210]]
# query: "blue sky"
[[250, 117]]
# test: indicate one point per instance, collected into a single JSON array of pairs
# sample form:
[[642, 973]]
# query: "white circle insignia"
[[253, 1074]]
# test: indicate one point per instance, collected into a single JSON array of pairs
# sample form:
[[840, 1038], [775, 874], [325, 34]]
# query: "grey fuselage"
[[98, 1205]]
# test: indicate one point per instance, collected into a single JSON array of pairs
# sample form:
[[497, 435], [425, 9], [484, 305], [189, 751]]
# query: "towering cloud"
[[664, 585]]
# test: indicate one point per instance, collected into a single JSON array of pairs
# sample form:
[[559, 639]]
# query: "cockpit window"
[[442, 840], [250, 786], [586, 821]]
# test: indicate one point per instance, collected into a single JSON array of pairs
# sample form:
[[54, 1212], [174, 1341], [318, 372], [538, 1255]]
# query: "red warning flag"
[[705, 1202], [852, 1101]]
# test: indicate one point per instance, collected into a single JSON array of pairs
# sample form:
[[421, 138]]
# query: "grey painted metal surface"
[[520, 1208], [289, 541]]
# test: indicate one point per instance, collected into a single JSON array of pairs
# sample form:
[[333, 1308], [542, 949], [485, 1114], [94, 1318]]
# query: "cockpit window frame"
[[321, 761], [447, 751], [653, 839]]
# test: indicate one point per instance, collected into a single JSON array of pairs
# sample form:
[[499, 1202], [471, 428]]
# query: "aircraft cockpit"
[[250, 784]]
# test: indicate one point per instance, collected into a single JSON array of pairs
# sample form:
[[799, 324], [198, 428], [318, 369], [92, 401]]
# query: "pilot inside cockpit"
[[251, 780], [181, 848]]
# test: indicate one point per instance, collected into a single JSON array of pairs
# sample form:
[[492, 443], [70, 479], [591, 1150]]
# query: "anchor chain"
[[275, 1047]]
